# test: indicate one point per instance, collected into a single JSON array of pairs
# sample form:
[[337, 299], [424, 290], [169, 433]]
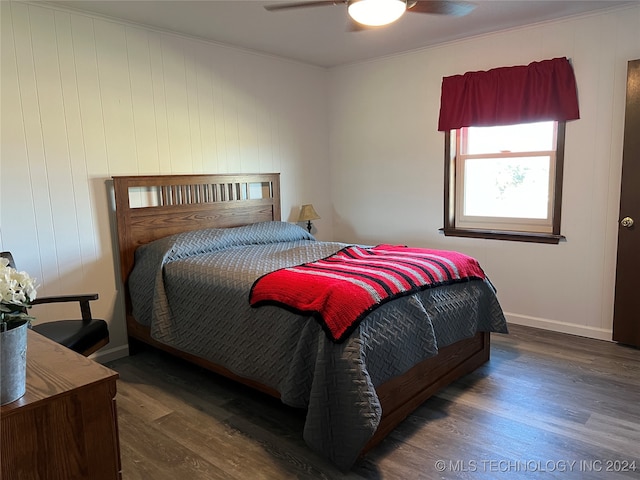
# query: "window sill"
[[504, 235]]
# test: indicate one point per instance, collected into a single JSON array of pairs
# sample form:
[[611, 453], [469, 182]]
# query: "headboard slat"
[[189, 202]]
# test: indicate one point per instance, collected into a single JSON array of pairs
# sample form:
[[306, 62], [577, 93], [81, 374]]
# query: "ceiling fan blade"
[[441, 7], [287, 6]]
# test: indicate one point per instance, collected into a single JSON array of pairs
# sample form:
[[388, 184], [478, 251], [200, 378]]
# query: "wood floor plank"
[[547, 405], [244, 455], [158, 453]]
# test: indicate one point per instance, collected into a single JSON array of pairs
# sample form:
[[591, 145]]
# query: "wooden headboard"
[[154, 206]]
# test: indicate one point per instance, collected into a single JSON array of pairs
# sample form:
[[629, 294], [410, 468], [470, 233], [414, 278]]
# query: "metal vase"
[[13, 363]]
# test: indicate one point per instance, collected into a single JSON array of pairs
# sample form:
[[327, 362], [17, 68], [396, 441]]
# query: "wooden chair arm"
[[84, 300]]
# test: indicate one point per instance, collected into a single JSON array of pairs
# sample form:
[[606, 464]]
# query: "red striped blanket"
[[340, 290]]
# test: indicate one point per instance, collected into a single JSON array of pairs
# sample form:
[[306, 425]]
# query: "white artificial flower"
[[16, 288]]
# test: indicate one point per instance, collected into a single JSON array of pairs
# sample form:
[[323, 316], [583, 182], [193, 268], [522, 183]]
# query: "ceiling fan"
[[375, 13]]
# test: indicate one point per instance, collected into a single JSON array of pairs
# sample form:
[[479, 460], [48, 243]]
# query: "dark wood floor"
[[547, 405]]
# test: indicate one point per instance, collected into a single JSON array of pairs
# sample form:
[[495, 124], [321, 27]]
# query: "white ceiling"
[[318, 35]]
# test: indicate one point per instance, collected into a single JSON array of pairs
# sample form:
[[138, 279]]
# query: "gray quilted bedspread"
[[192, 289]]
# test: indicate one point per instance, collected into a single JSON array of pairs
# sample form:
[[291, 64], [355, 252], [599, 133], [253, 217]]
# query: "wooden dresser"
[[65, 426]]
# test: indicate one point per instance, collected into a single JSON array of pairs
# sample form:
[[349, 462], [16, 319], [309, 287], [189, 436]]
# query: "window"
[[504, 149], [505, 181]]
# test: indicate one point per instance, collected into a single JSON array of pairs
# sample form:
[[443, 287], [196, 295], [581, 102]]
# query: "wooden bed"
[[152, 207]]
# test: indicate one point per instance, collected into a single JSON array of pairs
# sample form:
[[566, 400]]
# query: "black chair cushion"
[[76, 335]]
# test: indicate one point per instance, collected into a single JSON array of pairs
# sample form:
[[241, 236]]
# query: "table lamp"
[[308, 213]]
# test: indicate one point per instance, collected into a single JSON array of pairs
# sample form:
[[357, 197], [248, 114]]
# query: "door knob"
[[627, 222]]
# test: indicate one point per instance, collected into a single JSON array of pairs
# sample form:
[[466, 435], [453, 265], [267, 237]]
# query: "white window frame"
[[516, 224], [528, 230]]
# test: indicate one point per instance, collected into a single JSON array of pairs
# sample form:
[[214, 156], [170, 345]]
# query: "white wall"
[[85, 98], [387, 164]]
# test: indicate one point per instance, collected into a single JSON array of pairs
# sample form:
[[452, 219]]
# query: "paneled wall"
[[84, 98], [389, 156]]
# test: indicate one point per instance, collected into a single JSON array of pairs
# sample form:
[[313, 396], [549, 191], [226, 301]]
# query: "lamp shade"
[[376, 12], [307, 213]]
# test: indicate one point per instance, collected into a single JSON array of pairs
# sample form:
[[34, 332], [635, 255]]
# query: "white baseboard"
[[557, 326], [104, 356]]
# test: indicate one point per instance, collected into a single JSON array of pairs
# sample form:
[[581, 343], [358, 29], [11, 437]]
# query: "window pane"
[[527, 137], [507, 187]]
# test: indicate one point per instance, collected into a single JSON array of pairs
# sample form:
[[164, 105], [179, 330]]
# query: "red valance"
[[536, 92]]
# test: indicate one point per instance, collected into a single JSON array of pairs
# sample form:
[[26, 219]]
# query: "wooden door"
[[626, 316]]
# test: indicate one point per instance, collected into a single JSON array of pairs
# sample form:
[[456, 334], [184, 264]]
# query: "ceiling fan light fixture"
[[376, 12]]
